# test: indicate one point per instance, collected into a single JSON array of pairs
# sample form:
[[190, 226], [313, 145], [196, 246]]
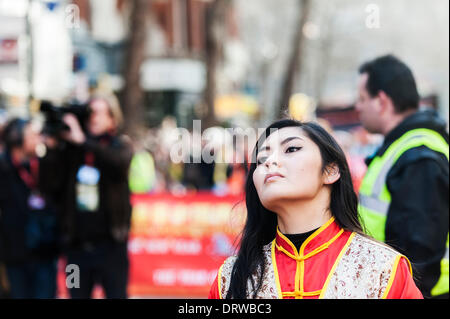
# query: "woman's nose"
[[272, 160]]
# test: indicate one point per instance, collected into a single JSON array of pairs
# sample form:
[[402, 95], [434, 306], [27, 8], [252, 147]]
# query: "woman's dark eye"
[[292, 149]]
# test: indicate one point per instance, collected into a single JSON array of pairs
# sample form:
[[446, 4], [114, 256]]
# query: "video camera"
[[54, 114]]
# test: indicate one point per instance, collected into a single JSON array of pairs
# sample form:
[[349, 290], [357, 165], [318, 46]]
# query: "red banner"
[[177, 244]]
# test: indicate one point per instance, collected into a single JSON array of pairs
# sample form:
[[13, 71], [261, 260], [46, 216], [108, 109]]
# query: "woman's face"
[[289, 167], [100, 120], [31, 139]]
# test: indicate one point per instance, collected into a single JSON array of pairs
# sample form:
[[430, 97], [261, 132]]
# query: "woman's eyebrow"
[[286, 140], [290, 139]]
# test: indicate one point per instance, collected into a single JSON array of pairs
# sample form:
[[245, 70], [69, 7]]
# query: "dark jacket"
[[112, 221], [418, 217], [24, 233]]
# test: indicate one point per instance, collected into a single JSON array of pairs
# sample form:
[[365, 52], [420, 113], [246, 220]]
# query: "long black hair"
[[261, 223]]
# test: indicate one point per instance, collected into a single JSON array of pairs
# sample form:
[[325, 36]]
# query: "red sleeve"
[[214, 292], [403, 286]]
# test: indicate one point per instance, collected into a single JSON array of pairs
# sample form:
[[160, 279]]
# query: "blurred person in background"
[[92, 166], [198, 174], [142, 174], [28, 220], [404, 194]]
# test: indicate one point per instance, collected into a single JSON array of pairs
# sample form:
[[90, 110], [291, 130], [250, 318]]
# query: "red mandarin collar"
[[316, 242]]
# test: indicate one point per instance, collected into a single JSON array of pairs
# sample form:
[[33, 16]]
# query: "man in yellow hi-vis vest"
[[404, 194]]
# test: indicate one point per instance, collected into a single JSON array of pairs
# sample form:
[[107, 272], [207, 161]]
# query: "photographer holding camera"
[[91, 169]]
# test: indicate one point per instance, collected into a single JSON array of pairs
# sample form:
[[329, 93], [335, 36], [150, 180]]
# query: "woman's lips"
[[272, 176]]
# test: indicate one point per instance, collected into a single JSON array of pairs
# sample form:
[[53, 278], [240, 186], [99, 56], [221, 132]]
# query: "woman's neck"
[[301, 216]]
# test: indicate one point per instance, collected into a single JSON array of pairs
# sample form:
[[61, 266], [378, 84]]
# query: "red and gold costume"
[[331, 263]]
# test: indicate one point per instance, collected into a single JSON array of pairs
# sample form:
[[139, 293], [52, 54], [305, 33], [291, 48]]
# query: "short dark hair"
[[393, 77], [13, 132]]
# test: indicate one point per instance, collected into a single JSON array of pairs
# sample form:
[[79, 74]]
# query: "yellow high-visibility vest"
[[141, 176], [374, 196]]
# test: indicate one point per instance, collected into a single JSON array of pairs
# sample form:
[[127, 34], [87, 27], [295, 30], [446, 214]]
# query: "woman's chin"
[[271, 201]]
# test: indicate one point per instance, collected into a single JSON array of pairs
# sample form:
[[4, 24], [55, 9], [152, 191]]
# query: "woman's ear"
[[332, 174]]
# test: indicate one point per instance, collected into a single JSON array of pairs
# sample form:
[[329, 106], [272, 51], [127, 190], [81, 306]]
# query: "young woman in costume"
[[303, 238]]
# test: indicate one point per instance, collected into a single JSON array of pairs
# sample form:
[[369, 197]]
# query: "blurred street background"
[[228, 63]]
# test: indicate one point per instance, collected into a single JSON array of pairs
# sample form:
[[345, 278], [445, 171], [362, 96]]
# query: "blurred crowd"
[[221, 176], [52, 164]]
